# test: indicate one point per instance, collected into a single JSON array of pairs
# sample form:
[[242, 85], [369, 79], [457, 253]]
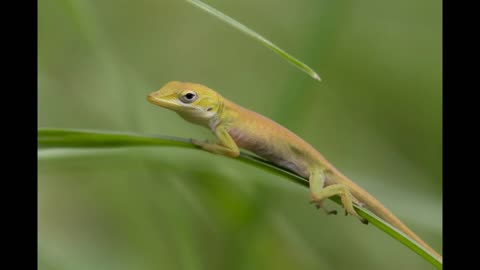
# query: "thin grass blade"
[[227, 19], [83, 139]]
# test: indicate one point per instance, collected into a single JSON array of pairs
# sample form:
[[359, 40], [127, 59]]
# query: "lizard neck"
[[219, 115]]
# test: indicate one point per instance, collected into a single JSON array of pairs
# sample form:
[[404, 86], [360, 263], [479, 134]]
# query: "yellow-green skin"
[[237, 127]]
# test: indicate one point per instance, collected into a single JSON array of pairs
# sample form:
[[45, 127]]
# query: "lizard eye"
[[188, 97]]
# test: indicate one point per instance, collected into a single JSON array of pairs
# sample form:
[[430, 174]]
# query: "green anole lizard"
[[236, 127]]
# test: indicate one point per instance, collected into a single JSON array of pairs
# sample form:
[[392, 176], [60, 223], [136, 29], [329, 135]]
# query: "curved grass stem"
[[63, 138]]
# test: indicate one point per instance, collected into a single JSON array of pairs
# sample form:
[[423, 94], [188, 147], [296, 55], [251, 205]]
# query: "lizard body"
[[237, 127]]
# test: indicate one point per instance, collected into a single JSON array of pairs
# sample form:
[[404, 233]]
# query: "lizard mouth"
[[161, 102]]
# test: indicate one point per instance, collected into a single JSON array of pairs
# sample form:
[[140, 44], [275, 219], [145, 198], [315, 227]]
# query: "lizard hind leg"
[[319, 193]]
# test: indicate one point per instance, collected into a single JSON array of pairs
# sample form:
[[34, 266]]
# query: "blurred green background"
[[376, 116]]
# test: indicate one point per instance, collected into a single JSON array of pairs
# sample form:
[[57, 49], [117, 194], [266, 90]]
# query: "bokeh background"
[[376, 116]]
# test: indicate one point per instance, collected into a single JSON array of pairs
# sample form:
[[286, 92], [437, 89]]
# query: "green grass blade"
[[48, 138], [61, 138], [294, 61]]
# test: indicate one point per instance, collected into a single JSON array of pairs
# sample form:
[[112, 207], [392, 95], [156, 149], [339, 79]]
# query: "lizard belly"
[[266, 148], [299, 169]]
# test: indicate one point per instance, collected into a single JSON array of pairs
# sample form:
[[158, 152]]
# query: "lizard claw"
[[319, 204], [331, 212], [363, 220]]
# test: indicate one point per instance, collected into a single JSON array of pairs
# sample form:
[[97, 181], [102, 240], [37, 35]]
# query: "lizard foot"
[[363, 220], [319, 204]]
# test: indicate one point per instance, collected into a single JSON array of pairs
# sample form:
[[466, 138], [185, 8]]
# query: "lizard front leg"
[[225, 147]]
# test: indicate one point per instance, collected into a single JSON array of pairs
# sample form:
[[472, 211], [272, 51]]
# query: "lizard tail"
[[381, 211]]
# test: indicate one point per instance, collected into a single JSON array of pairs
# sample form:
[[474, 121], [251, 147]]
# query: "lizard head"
[[194, 102]]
